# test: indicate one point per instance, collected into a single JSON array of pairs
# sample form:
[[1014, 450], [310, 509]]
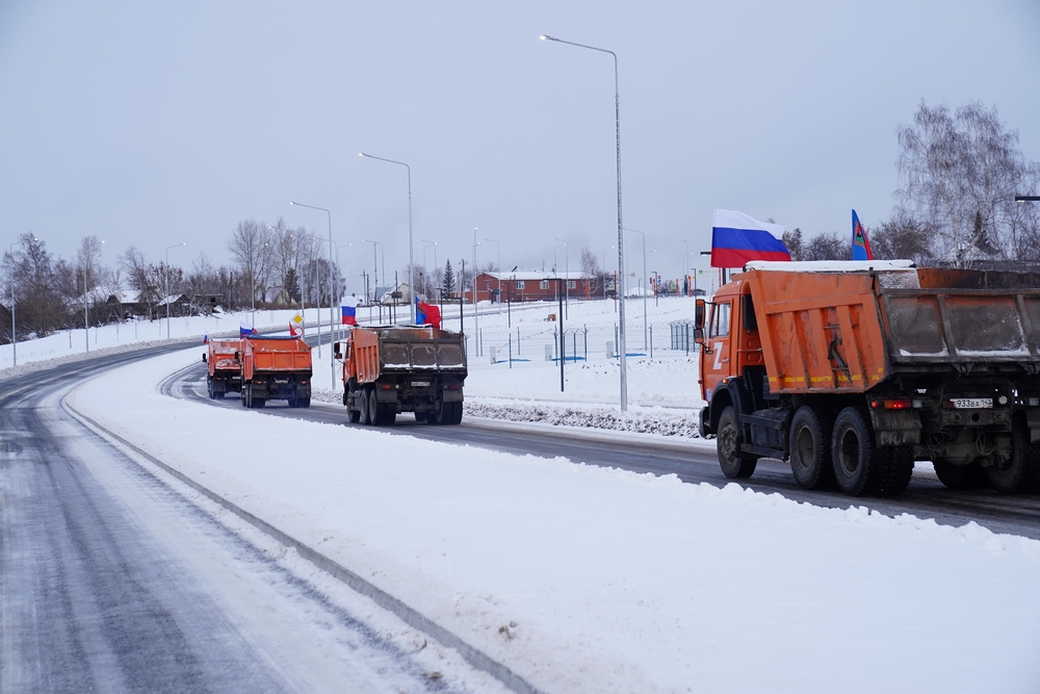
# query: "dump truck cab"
[[223, 367], [854, 370]]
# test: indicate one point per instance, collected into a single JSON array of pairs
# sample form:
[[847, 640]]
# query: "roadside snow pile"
[[587, 579], [641, 420], [113, 338]]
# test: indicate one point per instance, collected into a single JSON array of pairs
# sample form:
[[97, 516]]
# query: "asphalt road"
[[111, 580], [926, 497]]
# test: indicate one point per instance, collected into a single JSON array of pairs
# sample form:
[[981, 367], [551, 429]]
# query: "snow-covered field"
[[72, 344], [585, 579]]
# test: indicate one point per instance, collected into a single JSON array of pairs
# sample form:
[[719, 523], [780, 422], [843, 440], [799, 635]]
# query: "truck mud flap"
[[896, 427], [451, 396]]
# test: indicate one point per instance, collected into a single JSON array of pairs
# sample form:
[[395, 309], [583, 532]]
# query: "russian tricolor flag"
[[243, 331], [348, 315], [737, 238]]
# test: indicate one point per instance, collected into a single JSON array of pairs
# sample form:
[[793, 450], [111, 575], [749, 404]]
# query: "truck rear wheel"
[[860, 467], [363, 414], [1013, 475], [246, 392], [735, 464], [970, 476], [810, 447]]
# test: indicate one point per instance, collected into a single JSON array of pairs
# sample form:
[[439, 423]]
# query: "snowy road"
[[926, 498], [115, 579]]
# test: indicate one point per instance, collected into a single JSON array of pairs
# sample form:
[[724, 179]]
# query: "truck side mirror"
[[699, 311], [203, 358]]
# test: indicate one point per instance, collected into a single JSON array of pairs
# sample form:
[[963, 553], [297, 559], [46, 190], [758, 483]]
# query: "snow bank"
[[70, 345], [586, 579]]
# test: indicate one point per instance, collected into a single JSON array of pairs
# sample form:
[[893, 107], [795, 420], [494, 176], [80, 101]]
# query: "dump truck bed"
[[276, 354], [848, 331], [397, 349]]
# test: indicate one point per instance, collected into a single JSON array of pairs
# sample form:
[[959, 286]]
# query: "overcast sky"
[[148, 124]]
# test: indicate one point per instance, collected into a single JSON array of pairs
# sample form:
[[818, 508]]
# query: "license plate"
[[420, 383], [281, 380], [972, 403]]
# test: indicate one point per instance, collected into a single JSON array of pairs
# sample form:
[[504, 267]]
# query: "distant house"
[[532, 286], [179, 305], [125, 304]]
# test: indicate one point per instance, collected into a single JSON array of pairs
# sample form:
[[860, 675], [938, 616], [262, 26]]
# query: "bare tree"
[[959, 172], [901, 237], [88, 261], [795, 246], [252, 250]]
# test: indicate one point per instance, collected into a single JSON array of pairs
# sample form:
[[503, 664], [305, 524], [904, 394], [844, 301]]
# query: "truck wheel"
[[246, 390], [862, 468], [259, 402], [373, 409], [304, 402], [735, 464], [209, 388], [1013, 475], [970, 476], [421, 417], [810, 447], [363, 414]]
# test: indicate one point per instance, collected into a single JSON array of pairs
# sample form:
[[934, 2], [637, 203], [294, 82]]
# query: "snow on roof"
[[538, 275], [171, 299], [124, 297], [830, 265]]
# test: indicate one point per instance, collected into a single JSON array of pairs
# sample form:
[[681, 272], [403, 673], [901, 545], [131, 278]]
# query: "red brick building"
[[532, 286]]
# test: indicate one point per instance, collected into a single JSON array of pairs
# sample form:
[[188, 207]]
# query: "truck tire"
[[810, 447], [373, 408], [246, 392], [363, 415], [209, 388], [304, 402], [1014, 475], [735, 464], [259, 402], [386, 415], [860, 467], [421, 417], [963, 477]]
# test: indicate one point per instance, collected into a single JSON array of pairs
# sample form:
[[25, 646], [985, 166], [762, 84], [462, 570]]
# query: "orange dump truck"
[[224, 370], [275, 368], [854, 370], [394, 369]]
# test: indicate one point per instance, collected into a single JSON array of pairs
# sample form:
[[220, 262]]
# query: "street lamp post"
[[643, 283], [375, 266], [476, 321], [566, 275], [167, 288], [411, 245], [332, 358], [620, 232]]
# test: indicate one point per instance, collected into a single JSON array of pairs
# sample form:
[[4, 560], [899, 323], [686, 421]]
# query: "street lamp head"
[[292, 202], [547, 37]]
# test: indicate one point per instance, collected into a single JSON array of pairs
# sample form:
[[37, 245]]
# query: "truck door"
[[715, 364]]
